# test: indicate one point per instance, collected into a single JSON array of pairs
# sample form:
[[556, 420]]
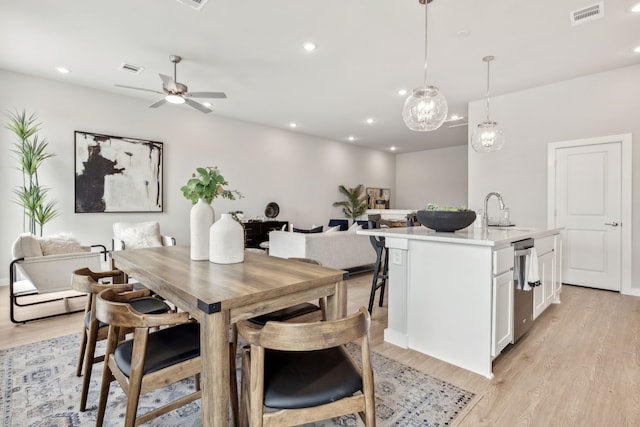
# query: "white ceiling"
[[367, 50]]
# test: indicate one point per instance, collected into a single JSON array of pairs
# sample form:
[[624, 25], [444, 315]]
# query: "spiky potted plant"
[[356, 201], [31, 152]]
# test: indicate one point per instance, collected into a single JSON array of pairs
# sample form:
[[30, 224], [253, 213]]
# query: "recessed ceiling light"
[[636, 49], [402, 92], [393, 148], [309, 46], [463, 33], [456, 117], [206, 104], [351, 138], [635, 8], [370, 120], [293, 125], [63, 70]]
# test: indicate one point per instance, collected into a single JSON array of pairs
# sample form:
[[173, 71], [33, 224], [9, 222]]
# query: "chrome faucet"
[[485, 215]]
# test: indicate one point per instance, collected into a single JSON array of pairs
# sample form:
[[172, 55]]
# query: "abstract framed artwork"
[[378, 198], [117, 174]]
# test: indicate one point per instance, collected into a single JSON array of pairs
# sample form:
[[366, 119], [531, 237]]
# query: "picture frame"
[[117, 174], [378, 198]]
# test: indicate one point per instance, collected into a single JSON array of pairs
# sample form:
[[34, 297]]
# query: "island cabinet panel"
[[448, 303], [545, 294], [502, 302]]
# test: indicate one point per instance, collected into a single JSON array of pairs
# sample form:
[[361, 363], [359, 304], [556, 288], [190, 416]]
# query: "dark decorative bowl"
[[447, 221]]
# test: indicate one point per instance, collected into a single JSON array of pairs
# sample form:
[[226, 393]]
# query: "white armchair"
[[44, 266], [135, 235]]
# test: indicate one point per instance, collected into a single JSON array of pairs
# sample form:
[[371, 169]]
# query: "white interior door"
[[588, 200]]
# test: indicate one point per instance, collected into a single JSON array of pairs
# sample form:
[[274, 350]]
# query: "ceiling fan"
[[178, 93]]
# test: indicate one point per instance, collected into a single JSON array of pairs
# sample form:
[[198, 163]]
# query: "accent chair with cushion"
[[42, 266], [136, 235], [296, 373]]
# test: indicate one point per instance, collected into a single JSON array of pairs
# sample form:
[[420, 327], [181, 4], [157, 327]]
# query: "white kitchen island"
[[450, 295]]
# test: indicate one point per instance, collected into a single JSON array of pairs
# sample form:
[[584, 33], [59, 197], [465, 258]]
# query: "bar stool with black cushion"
[[85, 280], [380, 278], [295, 311], [151, 359], [302, 372]]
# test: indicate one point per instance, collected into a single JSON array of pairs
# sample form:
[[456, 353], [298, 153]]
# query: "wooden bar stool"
[[381, 266]]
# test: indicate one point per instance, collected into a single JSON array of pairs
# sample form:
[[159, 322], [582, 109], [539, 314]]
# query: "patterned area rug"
[[40, 388]]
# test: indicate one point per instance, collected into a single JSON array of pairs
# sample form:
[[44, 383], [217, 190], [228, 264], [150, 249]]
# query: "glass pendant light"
[[426, 108], [488, 136]]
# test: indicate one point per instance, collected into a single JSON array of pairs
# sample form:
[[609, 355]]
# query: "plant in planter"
[[31, 152], [356, 203], [202, 189], [207, 185]]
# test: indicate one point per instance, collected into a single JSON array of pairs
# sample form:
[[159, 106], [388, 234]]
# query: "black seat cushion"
[[285, 314], [306, 379], [166, 347], [146, 305]]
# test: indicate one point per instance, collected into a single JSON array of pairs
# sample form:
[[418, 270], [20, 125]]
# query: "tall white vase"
[[201, 218], [226, 241]]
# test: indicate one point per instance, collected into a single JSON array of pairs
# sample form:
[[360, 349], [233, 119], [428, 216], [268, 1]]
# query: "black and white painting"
[[117, 174]]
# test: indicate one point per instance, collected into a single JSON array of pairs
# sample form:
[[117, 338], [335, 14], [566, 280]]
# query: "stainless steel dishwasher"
[[522, 300]]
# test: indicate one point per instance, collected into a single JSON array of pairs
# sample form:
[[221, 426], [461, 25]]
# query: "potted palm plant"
[[31, 152], [355, 203]]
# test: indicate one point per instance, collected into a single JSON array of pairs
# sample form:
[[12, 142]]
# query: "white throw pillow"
[[137, 235], [25, 246], [333, 229], [63, 243], [355, 227]]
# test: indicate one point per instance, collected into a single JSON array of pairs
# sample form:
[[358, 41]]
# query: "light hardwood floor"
[[578, 366]]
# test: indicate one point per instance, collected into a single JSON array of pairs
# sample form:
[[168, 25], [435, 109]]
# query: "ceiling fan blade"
[[168, 82], [158, 103], [206, 95], [197, 105], [140, 88]]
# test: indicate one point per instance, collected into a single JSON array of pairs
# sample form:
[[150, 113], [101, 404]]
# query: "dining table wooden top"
[[215, 287]]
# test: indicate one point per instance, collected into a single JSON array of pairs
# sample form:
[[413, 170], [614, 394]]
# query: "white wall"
[[300, 173], [433, 176], [591, 106]]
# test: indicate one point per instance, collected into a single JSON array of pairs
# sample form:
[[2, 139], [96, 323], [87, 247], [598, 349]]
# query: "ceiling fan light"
[[174, 99], [487, 137], [425, 109]]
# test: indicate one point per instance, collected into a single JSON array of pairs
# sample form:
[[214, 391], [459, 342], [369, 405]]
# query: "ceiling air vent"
[[587, 14], [194, 4], [134, 69]]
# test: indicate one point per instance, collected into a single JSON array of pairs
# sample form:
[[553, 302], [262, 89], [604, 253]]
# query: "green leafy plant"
[[356, 203], [31, 152], [461, 208], [208, 184]]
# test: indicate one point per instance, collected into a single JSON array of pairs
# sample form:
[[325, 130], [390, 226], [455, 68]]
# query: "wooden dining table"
[[218, 295]]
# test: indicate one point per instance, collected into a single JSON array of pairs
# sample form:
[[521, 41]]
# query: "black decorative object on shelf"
[[446, 221], [272, 210]]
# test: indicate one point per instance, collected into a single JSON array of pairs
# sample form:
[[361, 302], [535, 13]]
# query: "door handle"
[[613, 224]]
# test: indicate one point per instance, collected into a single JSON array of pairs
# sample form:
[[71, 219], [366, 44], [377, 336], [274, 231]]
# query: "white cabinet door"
[[502, 319], [543, 295]]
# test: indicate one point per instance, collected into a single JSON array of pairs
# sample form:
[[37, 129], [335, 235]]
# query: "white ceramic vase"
[[226, 241], [201, 218]]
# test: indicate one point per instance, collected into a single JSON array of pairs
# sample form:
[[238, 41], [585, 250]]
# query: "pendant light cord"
[[426, 22], [488, 72]]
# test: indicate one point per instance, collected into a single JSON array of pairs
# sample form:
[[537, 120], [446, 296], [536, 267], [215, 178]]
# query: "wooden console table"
[[257, 232]]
